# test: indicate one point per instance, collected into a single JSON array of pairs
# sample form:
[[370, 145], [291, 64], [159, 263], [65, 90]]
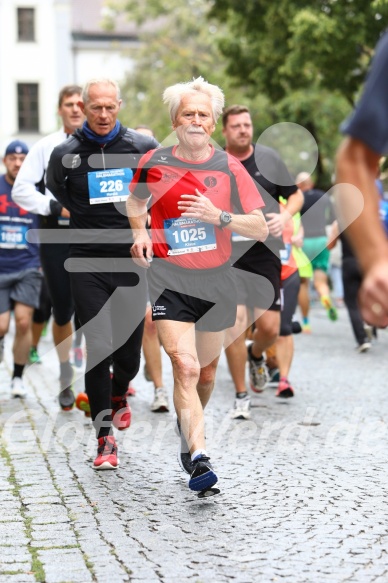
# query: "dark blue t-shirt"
[[369, 121], [16, 254]]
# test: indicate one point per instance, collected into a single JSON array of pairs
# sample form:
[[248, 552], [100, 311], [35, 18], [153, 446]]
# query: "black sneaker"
[[66, 399], [274, 376], [184, 457], [202, 474]]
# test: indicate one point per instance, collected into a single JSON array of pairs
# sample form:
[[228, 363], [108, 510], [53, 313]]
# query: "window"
[[26, 24], [28, 114]]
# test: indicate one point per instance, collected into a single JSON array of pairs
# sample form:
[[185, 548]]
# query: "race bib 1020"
[[13, 237]]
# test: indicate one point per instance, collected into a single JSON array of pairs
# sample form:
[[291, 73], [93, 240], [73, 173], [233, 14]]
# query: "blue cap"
[[16, 147]]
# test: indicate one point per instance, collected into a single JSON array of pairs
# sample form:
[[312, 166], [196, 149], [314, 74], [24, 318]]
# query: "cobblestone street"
[[303, 483]]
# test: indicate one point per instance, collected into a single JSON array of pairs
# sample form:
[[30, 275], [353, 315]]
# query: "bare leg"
[[37, 329], [63, 339], [209, 346], [151, 349], [23, 333], [179, 341], [321, 283], [304, 297], [285, 354], [267, 326], [236, 350]]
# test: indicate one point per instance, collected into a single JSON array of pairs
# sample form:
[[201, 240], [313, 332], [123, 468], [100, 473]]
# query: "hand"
[[297, 240], [198, 206], [141, 250], [276, 222], [65, 213], [374, 294]]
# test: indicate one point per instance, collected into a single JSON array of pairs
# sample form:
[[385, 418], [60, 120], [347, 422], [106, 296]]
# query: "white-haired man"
[[193, 188], [89, 174]]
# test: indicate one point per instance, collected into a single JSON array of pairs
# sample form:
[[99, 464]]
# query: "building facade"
[[46, 44]]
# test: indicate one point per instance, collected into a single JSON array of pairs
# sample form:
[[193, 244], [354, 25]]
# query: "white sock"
[[197, 453]]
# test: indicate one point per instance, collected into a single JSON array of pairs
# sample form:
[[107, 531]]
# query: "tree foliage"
[[181, 44], [277, 47], [299, 61], [309, 57]]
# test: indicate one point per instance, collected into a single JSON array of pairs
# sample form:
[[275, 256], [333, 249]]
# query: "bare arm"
[[198, 206], [333, 235], [141, 249], [277, 221], [357, 166]]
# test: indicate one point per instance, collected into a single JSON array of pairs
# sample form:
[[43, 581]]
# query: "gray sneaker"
[[258, 373], [160, 402], [242, 408]]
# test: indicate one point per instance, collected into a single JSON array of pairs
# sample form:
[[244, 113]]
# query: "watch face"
[[225, 218]]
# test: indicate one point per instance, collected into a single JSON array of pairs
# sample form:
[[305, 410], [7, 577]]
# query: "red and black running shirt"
[[164, 177]]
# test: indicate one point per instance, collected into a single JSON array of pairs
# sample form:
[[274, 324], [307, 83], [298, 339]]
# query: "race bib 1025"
[[185, 235]]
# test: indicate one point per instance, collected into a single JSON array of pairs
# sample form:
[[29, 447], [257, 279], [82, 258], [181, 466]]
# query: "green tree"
[[308, 58], [287, 45]]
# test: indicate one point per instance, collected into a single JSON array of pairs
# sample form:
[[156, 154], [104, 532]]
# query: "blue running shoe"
[[202, 475]]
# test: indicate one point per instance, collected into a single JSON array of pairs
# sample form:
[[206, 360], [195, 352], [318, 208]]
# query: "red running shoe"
[[131, 391], [284, 390], [106, 454], [121, 413]]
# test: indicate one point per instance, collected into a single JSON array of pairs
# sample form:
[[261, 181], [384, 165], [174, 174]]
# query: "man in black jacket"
[[89, 174]]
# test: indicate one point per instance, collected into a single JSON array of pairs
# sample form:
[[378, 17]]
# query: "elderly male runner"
[[194, 189]]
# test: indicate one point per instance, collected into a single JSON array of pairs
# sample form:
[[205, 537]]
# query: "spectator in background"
[[335, 272], [53, 216], [20, 276], [317, 212], [352, 280]]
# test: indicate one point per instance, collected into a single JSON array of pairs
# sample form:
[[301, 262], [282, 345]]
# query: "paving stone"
[[299, 503], [19, 578], [64, 565]]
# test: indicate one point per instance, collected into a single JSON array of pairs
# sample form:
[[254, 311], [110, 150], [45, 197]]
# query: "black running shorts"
[[258, 278], [204, 297]]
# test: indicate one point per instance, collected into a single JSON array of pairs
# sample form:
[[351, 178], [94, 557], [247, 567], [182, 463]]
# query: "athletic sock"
[[18, 370], [66, 374], [255, 358], [241, 395], [197, 453]]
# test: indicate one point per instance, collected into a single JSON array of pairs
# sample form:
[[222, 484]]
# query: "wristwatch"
[[225, 219]]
